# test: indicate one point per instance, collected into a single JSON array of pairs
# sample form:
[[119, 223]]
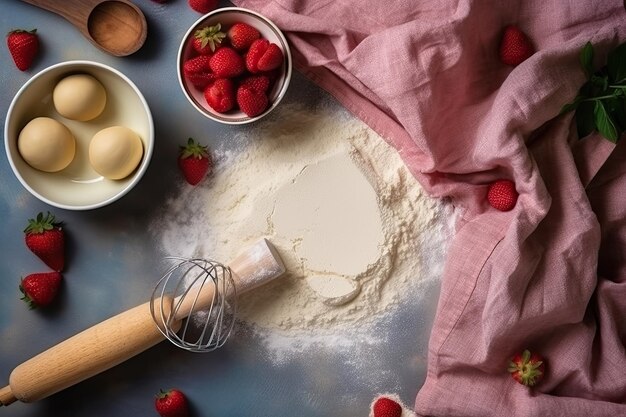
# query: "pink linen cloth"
[[549, 275]]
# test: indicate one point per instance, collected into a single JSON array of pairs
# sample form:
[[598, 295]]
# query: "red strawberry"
[[263, 56], [527, 368], [502, 195], [250, 101], [242, 35], [203, 6], [273, 76], [206, 40], [196, 65], [40, 289], [256, 82], [171, 403], [271, 59], [23, 46], [201, 80], [227, 63], [386, 407], [220, 95], [46, 239], [194, 161], [515, 47], [198, 72], [255, 52]]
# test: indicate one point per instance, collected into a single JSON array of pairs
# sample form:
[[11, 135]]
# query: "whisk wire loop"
[[194, 304]]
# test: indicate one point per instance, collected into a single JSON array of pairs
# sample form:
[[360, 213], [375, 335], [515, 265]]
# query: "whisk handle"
[[84, 355], [255, 266]]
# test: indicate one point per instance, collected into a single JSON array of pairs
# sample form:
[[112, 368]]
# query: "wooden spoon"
[[118, 27]]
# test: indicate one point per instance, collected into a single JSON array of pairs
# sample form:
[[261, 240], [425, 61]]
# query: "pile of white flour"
[[338, 203]]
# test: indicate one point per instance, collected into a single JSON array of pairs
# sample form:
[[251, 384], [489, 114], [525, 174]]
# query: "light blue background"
[[111, 267]]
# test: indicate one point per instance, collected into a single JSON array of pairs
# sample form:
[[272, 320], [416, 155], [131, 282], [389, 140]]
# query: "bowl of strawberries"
[[234, 65]]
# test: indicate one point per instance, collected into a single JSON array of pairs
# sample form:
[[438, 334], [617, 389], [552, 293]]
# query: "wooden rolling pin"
[[121, 337]]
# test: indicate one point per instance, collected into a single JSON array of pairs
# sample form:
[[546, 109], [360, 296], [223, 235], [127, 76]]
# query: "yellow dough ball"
[[115, 152], [79, 97], [46, 144]]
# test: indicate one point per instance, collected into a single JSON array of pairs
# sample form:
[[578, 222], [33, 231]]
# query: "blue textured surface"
[[111, 267]]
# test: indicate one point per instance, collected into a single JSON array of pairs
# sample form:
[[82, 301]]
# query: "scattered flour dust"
[[339, 205]]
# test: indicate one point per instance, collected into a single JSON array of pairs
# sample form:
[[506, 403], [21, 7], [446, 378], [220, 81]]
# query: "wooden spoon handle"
[[75, 11]]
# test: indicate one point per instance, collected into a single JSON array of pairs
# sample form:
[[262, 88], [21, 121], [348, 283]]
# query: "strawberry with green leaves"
[[194, 161], [40, 289], [23, 46], [171, 403], [45, 237], [527, 368], [206, 40]]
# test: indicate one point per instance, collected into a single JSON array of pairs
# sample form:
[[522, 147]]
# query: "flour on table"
[[337, 202]]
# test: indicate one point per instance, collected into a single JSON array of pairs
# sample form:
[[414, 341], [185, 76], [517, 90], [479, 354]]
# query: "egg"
[[46, 144], [79, 97], [115, 152]]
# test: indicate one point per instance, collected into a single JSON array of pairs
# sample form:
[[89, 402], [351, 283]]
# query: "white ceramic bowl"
[[79, 186], [227, 16]]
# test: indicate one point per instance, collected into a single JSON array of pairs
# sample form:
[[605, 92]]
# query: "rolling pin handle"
[[6, 396]]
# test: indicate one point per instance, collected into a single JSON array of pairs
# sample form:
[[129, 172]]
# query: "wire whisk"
[[194, 304]]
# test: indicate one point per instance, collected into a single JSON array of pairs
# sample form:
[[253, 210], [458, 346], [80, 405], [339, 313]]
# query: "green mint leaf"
[[572, 106], [569, 107], [586, 58], [604, 122], [616, 64], [585, 121]]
